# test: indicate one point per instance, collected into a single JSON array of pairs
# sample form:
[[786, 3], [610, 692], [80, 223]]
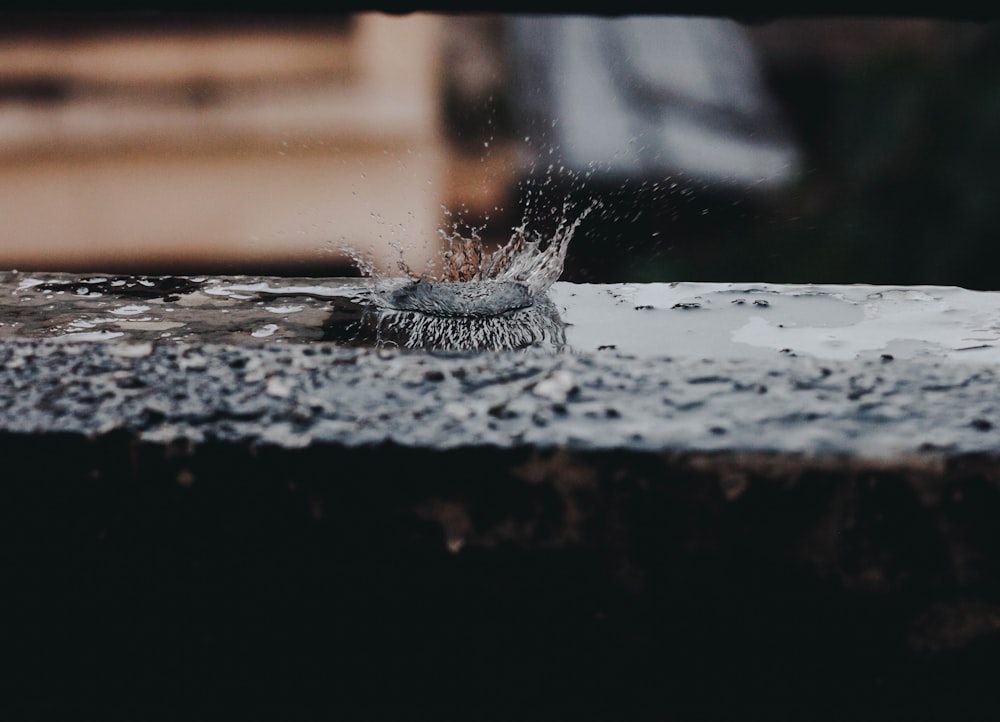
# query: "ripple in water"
[[480, 300]]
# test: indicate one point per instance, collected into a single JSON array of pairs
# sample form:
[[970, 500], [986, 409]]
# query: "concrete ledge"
[[293, 396], [280, 520]]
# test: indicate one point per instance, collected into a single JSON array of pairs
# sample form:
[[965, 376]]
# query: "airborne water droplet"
[[478, 300]]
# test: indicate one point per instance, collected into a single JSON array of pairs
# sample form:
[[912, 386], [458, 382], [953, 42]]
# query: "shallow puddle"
[[701, 320]]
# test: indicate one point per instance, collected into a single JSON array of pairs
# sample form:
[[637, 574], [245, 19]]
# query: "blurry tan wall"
[[221, 147]]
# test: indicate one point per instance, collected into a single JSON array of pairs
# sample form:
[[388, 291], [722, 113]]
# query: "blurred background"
[[795, 150]]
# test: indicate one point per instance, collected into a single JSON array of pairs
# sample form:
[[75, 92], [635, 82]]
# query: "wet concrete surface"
[[275, 361], [224, 512], [713, 321]]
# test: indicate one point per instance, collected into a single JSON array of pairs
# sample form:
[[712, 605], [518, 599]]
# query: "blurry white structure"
[[649, 96], [226, 146]]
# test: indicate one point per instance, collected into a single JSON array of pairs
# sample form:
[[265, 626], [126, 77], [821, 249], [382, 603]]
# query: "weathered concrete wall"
[[308, 518]]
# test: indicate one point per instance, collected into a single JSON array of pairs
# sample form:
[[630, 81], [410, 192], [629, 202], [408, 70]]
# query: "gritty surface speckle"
[[301, 394], [859, 370]]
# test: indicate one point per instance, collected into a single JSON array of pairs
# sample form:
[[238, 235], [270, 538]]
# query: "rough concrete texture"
[[309, 518], [294, 396]]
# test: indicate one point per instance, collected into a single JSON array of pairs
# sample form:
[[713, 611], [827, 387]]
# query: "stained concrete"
[[292, 517]]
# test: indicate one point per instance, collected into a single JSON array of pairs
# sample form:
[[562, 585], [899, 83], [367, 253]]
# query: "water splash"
[[478, 299], [536, 326], [530, 257], [473, 299]]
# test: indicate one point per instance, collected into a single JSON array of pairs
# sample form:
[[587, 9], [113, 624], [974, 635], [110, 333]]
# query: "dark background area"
[[900, 182]]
